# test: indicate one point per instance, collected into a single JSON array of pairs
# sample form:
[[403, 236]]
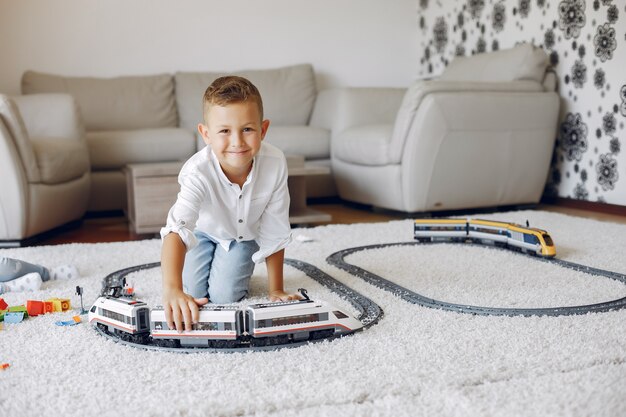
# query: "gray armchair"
[[480, 135], [44, 165]]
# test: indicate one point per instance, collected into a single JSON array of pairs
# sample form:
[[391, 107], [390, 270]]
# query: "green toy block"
[[19, 309], [2, 314]]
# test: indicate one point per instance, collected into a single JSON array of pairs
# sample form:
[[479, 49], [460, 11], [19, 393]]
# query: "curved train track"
[[369, 312], [338, 259]]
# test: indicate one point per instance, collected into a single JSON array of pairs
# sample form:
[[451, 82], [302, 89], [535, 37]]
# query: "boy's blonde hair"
[[230, 89]]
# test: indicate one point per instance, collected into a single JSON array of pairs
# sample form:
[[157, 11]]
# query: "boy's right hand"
[[180, 307]]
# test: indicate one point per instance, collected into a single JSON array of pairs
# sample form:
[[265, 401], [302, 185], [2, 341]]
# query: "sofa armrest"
[[342, 108], [13, 198], [51, 115]]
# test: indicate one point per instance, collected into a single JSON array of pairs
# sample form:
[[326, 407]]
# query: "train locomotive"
[[510, 235], [224, 326]]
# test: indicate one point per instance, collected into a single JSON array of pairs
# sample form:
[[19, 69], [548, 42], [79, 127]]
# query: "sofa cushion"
[[60, 160], [364, 145], [522, 62], [310, 142], [114, 149], [288, 93], [12, 120], [131, 102]]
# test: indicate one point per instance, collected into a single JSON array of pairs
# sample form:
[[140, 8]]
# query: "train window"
[[547, 239], [528, 238], [491, 231], [228, 326], [207, 325], [158, 325], [305, 318], [339, 314], [143, 321], [93, 309], [259, 324], [116, 316]]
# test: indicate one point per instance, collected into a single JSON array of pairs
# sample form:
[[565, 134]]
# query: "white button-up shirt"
[[210, 203]]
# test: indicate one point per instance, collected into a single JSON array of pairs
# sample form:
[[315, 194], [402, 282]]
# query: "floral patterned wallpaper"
[[586, 43]]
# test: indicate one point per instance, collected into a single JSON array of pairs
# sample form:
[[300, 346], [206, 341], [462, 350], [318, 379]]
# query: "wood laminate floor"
[[115, 228]]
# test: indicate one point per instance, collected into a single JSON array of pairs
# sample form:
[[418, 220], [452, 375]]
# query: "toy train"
[[513, 236], [223, 326]]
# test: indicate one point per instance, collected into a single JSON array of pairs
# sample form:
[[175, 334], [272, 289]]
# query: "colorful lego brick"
[[2, 314], [48, 307], [3, 304], [65, 304], [4, 366], [34, 307], [19, 309], [56, 304], [13, 318]]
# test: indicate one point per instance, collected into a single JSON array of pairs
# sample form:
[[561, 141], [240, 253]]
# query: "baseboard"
[[34, 240], [593, 206]]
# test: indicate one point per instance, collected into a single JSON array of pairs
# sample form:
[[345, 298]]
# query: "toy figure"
[[16, 275]]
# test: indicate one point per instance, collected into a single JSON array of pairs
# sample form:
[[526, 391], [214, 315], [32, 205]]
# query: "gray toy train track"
[[338, 259], [369, 311]]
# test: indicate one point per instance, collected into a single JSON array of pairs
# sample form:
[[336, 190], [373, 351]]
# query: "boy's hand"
[[280, 295], [180, 307]]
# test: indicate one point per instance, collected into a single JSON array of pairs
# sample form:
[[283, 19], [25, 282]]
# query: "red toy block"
[[48, 307], [34, 307], [3, 304]]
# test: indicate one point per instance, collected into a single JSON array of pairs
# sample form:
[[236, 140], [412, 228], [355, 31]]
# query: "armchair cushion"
[[364, 145], [60, 160], [522, 62], [10, 116]]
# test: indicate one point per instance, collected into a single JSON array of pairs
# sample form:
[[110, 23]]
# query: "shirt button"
[[240, 220], [240, 237], [240, 197]]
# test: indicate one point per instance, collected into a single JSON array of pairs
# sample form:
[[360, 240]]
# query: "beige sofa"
[[153, 118]]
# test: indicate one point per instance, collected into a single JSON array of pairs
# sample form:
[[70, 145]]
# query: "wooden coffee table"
[[152, 189]]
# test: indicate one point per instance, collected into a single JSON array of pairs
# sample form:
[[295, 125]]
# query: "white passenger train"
[[224, 326], [526, 239]]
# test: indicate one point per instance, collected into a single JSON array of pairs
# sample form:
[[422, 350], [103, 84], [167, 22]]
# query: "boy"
[[232, 210]]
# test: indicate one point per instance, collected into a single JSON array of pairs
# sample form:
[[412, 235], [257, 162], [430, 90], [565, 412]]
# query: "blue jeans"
[[222, 276]]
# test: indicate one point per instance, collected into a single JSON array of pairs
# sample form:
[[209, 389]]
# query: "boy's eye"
[[223, 131], [247, 129]]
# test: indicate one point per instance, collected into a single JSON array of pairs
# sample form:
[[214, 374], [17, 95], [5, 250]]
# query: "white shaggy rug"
[[416, 361]]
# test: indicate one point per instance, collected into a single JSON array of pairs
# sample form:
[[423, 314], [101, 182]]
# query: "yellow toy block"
[[60, 304], [56, 304]]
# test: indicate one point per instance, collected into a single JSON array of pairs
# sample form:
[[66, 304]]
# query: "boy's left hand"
[[279, 295]]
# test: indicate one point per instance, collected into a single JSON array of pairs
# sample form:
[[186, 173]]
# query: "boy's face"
[[234, 132]]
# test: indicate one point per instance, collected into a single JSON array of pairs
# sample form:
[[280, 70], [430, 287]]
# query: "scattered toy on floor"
[[18, 276], [75, 320]]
